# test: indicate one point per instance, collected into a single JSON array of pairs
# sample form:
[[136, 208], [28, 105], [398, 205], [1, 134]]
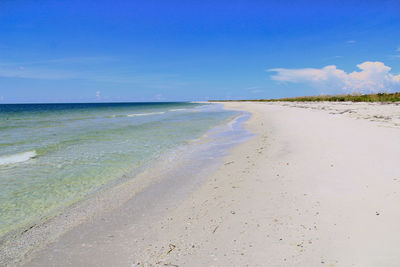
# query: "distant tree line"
[[380, 97]]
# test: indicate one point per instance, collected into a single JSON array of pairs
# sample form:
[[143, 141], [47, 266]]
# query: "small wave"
[[135, 115], [116, 116], [178, 109], [145, 114], [235, 120], [16, 158]]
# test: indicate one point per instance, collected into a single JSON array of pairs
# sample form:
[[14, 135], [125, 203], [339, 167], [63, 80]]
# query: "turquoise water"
[[52, 155]]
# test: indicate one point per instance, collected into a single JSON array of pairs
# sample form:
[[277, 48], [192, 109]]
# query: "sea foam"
[[145, 114], [178, 109], [17, 158]]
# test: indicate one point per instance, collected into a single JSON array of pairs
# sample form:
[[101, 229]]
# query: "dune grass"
[[381, 97]]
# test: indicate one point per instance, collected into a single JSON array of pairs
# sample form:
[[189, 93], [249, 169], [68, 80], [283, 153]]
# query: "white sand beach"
[[313, 187], [200, 133]]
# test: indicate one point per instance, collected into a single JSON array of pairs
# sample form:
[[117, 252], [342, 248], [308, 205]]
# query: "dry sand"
[[310, 189]]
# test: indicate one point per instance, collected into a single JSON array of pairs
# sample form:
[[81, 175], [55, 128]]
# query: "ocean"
[[53, 155]]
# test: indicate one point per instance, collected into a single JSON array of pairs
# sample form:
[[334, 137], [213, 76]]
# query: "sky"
[[148, 50]]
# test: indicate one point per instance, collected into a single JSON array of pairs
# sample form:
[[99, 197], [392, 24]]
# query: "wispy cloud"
[[35, 73], [255, 89], [60, 69], [49, 69], [351, 41], [60, 61], [373, 77], [332, 57], [158, 97], [90, 69]]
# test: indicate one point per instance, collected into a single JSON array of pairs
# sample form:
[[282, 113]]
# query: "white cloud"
[[351, 41], [373, 77], [98, 96]]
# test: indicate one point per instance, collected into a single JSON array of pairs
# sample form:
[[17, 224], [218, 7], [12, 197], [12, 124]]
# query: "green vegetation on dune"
[[381, 97]]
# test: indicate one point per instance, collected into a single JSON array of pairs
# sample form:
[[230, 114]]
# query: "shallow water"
[[52, 155]]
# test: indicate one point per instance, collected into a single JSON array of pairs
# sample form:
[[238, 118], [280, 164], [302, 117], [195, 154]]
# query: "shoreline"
[[311, 188], [20, 246]]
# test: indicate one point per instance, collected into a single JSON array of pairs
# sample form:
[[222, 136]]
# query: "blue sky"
[[84, 51]]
